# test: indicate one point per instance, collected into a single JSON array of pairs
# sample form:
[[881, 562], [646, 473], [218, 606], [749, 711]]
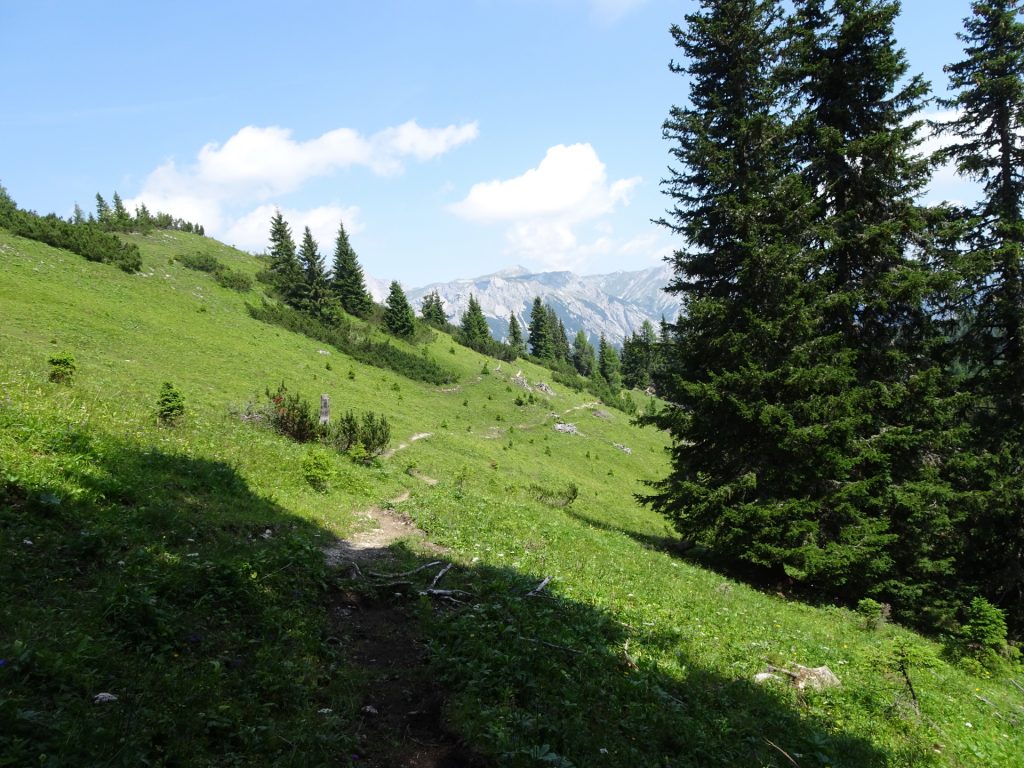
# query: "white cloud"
[[546, 205], [252, 231], [257, 164]]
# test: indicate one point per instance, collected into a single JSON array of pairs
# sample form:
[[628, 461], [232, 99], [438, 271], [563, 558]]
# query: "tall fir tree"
[[316, 293], [347, 279], [540, 336], [473, 329], [988, 147], [638, 357], [583, 357], [103, 217], [398, 315], [284, 262], [884, 518], [432, 311], [735, 485], [120, 218], [515, 336], [608, 364]]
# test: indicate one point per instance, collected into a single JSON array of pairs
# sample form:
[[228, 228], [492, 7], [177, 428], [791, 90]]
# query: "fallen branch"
[[785, 754], [1017, 685], [430, 592], [440, 574], [404, 573], [539, 588]]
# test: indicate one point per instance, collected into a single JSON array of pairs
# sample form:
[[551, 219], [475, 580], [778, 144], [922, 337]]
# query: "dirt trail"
[[402, 723]]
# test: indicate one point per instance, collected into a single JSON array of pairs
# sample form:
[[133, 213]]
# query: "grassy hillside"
[[179, 568]]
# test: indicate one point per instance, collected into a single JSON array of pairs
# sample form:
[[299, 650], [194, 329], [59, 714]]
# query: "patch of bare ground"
[[402, 721], [402, 446]]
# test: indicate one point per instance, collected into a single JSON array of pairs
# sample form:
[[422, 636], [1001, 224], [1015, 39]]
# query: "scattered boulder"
[[545, 388], [601, 414], [520, 381], [569, 429], [624, 448], [801, 677]]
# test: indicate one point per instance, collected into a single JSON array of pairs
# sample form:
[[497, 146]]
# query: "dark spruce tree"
[[740, 363], [988, 147], [515, 337], [398, 315], [316, 294], [285, 269], [473, 330], [347, 279], [583, 357], [608, 364], [432, 311], [540, 336], [638, 357], [884, 521]]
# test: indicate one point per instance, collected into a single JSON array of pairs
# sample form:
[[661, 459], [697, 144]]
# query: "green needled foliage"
[[347, 280], [432, 311], [808, 425], [285, 268], [473, 330], [987, 295], [398, 315], [540, 335]]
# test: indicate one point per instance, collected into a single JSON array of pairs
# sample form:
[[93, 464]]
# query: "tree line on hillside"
[[847, 377], [91, 236], [300, 278]]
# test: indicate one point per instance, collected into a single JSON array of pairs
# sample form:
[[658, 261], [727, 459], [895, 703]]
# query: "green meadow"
[[179, 568]]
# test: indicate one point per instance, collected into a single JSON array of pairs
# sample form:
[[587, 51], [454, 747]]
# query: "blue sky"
[[453, 138]]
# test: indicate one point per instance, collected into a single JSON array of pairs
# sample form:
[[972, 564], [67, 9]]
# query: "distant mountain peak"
[[615, 304]]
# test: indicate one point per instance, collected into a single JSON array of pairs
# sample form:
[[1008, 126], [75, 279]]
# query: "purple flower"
[[3, 662]]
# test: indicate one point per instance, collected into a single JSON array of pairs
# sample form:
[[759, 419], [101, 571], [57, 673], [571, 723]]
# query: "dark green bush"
[[292, 416], [62, 368]]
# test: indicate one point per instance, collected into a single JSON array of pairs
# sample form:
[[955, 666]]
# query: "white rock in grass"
[[104, 698]]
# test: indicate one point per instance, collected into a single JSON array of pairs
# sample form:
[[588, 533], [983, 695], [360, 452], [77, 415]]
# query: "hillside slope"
[[179, 569]]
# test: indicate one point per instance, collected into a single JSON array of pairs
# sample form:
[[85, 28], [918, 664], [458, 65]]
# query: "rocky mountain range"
[[615, 304]]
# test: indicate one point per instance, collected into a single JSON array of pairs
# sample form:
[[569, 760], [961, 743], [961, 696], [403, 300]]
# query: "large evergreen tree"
[[540, 335], [583, 356], [988, 147], [734, 484], [316, 293], [608, 364], [473, 330], [398, 315], [284, 262], [347, 279], [432, 310], [515, 336]]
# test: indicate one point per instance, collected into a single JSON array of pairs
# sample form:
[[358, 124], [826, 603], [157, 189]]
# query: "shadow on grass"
[[536, 679], [166, 582], [673, 545]]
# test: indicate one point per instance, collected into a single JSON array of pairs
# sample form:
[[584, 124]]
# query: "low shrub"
[[170, 405], [316, 468], [874, 613], [62, 368], [222, 275]]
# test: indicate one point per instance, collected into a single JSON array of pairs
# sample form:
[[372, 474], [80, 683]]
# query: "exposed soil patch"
[[385, 526], [402, 446], [402, 710]]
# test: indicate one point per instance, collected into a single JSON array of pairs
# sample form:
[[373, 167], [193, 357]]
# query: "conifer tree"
[[120, 219], [988, 147], [102, 211], [742, 475], [347, 279], [398, 315], [638, 357], [78, 217], [284, 262], [608, 364], [540, 340], [315, 288], [474, 331], [882, 516], [515, 336], [432, 310], [583, 356]]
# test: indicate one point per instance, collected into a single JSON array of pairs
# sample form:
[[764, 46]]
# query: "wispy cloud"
[[258, 164], [544, 206]]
